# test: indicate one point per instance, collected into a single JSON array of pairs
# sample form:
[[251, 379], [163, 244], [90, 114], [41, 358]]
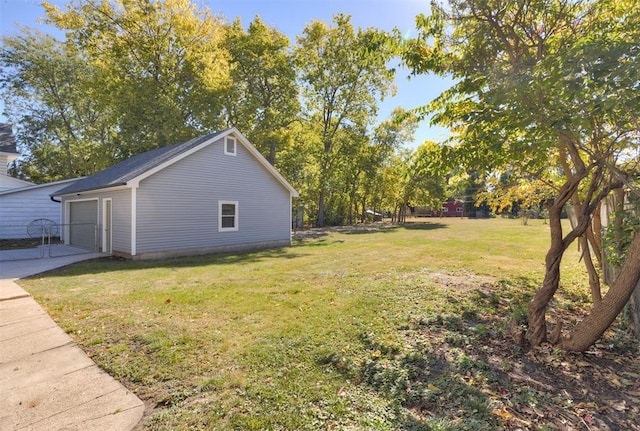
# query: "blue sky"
[[290, 17]]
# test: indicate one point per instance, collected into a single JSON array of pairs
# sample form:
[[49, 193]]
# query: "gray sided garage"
[[213, 193]]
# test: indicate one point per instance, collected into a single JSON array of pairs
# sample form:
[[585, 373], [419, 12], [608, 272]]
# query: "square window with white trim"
[[230, 146], [227, 216]]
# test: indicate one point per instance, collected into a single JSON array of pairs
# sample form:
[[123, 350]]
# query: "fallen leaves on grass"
[[471, 374]]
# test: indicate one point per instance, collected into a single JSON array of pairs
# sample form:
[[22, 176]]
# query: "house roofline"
[[79, 192], [37, 186], [253, 150], [134, 182]]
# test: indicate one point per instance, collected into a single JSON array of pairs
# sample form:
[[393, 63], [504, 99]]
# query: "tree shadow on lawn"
[[427, 386], [388, 228], [363, 228], [112, 263], [316, 237], [423, 226]]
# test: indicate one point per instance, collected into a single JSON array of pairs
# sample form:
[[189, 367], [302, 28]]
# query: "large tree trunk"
[[602, 315], [594, 278], [320, 221], [594, 236], [273, 145], [536, 313], [589, 242], [615, 204], [324, 178], [634, 310]]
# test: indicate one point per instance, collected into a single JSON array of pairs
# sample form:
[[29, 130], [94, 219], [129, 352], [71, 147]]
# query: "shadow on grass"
[[366, 229], [427, 389], [314, 233], [112, 263], [388, 228], [317, 237], [307, 237], [423, 226], [443, 371], [461, 371]]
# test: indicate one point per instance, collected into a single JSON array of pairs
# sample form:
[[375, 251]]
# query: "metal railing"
[[45, 238]]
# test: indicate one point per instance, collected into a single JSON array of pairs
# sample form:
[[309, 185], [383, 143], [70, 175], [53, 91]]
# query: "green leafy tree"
[[263, 98], [161, 66], [539, 84], [130, 76], [342, 72], [48, 91], [427, 177], [295, 161], [509, 193], [381, 182], [392, 180]]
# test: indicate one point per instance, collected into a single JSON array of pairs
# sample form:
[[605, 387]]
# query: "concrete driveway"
[[46, 381]]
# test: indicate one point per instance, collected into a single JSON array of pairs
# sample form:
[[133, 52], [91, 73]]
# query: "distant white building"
[[22, 202], [20, 207], [8, 154]]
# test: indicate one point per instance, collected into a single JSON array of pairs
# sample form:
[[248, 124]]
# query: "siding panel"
[[18, 208], [178, 206]]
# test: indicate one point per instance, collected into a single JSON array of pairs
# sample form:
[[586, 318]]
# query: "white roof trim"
[[32, 186], [254, 151], [99, 190]]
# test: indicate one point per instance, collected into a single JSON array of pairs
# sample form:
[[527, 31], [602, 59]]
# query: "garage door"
[[83, 217]]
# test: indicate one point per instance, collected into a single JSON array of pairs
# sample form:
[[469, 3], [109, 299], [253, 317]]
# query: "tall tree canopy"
[[386, 173], [162, 65], [49, 93], [540, 84], [343, 73], [263, 99], [130, 76], [133, 75]]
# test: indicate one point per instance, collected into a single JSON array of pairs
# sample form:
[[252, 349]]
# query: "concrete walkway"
[[46, 381]]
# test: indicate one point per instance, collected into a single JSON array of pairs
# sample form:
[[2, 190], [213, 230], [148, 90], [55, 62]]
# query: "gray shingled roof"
[[133, 167], [7, 141]]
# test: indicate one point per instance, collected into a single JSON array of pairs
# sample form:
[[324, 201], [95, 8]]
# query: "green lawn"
[[392, 328]]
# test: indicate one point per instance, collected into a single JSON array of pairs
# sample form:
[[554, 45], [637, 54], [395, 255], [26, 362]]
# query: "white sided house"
[[24, 206], [8, 154], [215, 193], [10, 183]]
